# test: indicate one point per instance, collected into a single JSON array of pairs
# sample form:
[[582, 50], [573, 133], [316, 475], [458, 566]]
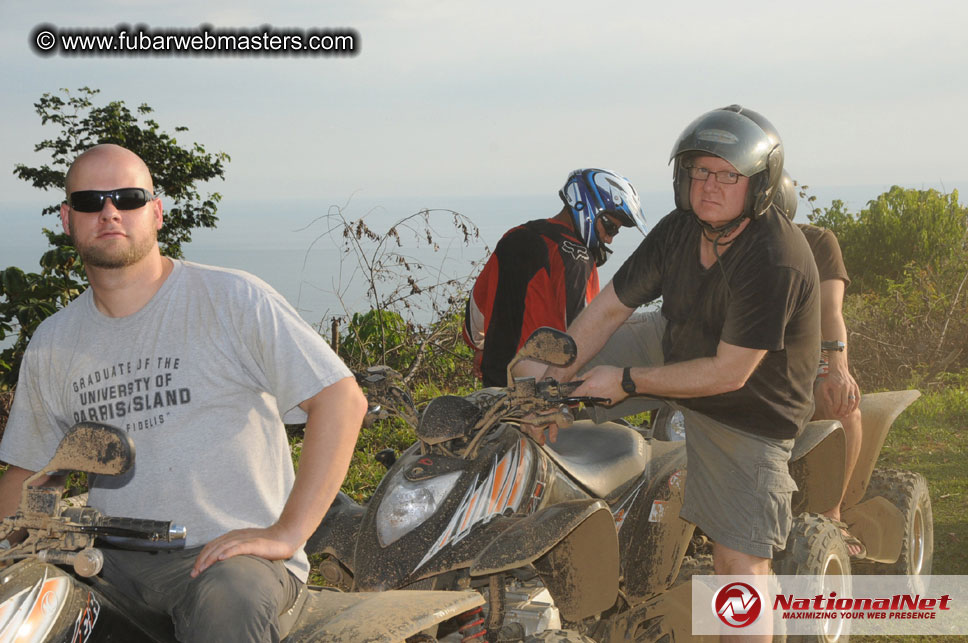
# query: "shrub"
[[906, 308]]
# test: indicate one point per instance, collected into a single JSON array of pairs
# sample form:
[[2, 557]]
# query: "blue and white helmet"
[[590, 193]]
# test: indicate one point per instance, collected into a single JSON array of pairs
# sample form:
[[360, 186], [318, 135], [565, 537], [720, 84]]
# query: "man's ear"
[[65, 212], [159, 212]]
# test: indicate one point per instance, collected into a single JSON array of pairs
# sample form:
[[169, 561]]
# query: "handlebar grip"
[[140, 544], [588, 399], [140, 528]]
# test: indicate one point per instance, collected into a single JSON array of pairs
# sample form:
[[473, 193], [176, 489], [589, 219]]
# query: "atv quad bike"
[[582, 534]]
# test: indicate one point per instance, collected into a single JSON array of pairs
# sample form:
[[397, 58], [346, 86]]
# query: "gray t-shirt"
[[201, 378]]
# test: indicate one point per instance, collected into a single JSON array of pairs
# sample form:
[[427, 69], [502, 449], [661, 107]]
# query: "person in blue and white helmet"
[[543, 272], [590, 195]]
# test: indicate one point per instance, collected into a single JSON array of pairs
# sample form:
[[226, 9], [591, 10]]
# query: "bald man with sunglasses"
[[200, 366]]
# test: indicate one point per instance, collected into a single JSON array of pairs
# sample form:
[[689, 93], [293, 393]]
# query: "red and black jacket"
[[539, 275]]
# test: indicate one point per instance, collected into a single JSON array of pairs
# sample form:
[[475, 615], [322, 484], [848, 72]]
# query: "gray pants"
[[637, 342], [235, 600], [738, 487]]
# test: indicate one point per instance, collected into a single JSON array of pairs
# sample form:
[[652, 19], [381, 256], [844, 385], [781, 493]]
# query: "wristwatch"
[[833, 345], [628, 384]]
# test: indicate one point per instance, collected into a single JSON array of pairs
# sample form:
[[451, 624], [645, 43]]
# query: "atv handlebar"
[[126, 533], [153, 530], [140, 534], [58, 536]]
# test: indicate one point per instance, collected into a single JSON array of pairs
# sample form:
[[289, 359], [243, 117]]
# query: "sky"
[[479, 98], [485, 106]]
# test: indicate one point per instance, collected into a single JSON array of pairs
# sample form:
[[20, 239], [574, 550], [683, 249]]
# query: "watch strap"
[[628, 384]]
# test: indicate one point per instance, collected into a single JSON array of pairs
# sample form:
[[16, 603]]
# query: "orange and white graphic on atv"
[[28, 615], [501, 490]]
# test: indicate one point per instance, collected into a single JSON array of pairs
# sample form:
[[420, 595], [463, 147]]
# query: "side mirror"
[[447, 417], [94, 448], [548, 346]]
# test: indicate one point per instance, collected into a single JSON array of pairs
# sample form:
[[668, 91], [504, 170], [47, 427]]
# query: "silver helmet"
[[786, 196], [743, 138]]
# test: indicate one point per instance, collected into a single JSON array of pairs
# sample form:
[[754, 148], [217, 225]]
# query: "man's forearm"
[[332, 428], [694, 378], [592, 329], [727, 371], [832, 325]]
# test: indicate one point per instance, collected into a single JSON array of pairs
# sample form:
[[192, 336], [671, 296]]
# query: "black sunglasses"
[[123, 199], [610, 227]]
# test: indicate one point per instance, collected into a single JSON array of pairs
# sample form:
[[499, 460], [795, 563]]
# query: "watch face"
[[628, 385]]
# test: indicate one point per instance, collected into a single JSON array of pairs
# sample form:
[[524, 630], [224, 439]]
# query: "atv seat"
[[603, 458]]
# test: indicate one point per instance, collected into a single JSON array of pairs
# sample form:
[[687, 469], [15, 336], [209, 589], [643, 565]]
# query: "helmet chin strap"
[[600, 254], [718, 232]]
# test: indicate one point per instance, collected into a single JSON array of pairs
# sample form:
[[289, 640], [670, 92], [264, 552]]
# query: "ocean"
[[286, 242]]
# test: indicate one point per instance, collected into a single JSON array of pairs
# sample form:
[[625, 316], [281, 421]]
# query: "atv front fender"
[[336, 534], [574, 547]]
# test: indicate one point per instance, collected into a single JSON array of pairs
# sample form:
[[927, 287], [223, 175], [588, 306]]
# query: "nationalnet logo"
[[738, 604], [831, 606]]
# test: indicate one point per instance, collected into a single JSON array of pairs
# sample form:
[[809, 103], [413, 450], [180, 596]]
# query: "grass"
[[931, 437]]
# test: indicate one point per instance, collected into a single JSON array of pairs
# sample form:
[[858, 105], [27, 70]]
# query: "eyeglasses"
[[610, 227], [723, 176], [123, 199]]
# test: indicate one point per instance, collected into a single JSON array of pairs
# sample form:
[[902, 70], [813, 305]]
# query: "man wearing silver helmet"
[[737, 342], [543, 272]]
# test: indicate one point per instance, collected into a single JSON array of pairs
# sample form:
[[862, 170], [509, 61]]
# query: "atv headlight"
[[408, 504]]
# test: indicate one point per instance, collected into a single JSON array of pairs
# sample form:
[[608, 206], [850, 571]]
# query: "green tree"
[[907, 306], [900, 230], [26, 299]]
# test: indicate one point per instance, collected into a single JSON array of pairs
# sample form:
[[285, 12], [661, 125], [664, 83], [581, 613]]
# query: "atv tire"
[[558, 636], [908, 491], [668, 425], [692, 565], [815, 547]]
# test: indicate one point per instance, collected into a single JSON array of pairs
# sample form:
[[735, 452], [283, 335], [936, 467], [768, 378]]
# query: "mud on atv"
[[553, 561]]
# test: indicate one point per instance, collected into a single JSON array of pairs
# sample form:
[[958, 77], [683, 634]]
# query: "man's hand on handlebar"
[[544, 425], [603, 382]]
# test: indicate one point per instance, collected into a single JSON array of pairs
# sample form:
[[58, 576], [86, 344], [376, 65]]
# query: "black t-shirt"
[[769, 300], [826, 252]]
